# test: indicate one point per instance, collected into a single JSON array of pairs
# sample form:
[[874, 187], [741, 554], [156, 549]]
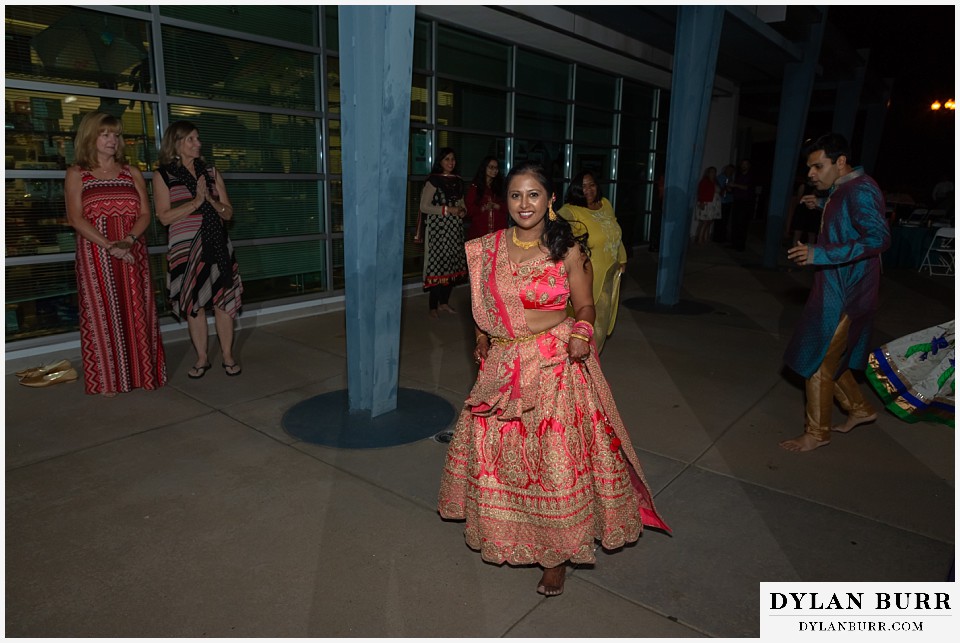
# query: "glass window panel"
[[251, 142], [237, 70], [333, 85], [264, 209], [592, 125], [273, 288], [471, 57], [421, 45], [77, 47], [282, 270], [420, 99], [597, 159], [336, 205], [412, 252], [339, 280], [267, 261], [633, 190], [549, 154], [418, 160], [36, 218], [462, 105], [331, 25], [41, 127], [334, 147], [638, 99], [538, 118], [156, 234], [158, 275], [40, 299], [470, 150], [283, 22], [636, 132], [542, 75], [596, 88]]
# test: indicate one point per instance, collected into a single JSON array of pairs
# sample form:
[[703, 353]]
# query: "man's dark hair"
[[833, 145]]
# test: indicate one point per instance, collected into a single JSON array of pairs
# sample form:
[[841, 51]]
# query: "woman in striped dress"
[[107, 205], [192, 199]]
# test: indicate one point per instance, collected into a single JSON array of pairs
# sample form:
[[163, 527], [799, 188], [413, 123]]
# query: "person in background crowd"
[[805, 223], [486, 211], [107, 205], [203, 272], [708, 204], [444, 263], [721, 227], [590, 213]]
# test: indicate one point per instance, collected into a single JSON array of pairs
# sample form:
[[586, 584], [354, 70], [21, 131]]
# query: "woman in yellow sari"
[[588, 211]]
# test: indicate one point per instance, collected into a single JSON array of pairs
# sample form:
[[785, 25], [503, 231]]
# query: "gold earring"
[[552, 215]]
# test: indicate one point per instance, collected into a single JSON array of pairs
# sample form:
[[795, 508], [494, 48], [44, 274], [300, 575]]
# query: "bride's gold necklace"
[[524, 245]]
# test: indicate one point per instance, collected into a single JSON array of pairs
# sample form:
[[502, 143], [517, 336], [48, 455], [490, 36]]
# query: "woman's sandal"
[[227, 367], [197, 372]]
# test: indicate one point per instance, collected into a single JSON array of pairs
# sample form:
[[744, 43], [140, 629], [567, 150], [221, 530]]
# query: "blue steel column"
[[873, 129], [798, 80], [694, 68], [847, 102], [376, 62]]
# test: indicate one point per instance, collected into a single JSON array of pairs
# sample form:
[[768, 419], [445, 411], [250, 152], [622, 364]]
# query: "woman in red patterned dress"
[[203, 273], [107, 205], [540, 465]]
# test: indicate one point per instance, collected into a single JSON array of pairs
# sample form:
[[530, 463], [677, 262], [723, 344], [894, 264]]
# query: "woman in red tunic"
[[486, 211], [107, 205]]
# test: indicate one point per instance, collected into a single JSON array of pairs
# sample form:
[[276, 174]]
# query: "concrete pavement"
[[188, 511]]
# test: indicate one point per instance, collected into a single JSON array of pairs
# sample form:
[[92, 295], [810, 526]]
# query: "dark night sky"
[[915, 46]]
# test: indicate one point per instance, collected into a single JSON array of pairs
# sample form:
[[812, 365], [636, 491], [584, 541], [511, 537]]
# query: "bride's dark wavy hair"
[[558, 236]]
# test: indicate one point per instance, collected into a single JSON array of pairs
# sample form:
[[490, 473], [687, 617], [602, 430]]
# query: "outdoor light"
[[935, 106], [950, 104]]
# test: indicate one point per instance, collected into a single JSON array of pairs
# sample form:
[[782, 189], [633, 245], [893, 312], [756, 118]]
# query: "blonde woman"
[[203, 273], [107, 205]]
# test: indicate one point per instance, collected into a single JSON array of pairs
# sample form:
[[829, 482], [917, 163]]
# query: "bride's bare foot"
[[804, 442], [854, 421], [552, 582]]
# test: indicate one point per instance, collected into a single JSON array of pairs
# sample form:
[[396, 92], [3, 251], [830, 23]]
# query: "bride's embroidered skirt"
[[540, 465]]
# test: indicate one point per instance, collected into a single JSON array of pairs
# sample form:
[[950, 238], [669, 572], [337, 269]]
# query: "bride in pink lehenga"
[[540, 465]]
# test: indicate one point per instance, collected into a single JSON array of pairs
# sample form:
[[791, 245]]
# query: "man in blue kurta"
[[833, 334]]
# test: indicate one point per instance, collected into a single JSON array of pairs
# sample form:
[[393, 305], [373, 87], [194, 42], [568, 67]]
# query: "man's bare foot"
[[434, 314], [854, 421], [801, 443], [552, 582], [444, 308]]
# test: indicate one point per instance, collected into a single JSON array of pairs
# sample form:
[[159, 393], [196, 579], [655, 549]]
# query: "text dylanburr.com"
[[912, 611]]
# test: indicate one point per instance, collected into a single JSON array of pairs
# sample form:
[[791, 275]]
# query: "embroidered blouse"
[[542, 284]]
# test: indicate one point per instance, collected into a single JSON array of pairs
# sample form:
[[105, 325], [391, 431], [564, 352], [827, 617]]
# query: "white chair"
[[938, 219], [939, 257]]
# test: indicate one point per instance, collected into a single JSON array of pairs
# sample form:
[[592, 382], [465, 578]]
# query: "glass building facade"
[[262, 85]]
